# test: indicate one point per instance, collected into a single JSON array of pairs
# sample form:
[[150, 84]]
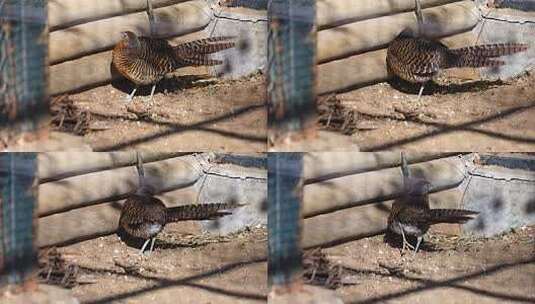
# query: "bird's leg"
[[151, 92], [405, 242], [131, 96], [421, 91], [144, 246], [152, 244], [420, 238]]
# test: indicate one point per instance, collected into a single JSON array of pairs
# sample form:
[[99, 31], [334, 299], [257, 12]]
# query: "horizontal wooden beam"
[[58, 165], [348, 73], [321, 166], [337, 12], [94, 221], [97, 36], [375, 186], [363, 221], [65, 13], [109, 185], [95, 69], [373, 34]]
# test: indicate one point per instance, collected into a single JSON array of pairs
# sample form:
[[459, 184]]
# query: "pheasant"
[[144, 216], [418, 60], [145, 61], [411, 215]]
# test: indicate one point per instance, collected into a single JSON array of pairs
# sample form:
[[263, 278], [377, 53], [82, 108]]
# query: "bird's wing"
[[142, 209]]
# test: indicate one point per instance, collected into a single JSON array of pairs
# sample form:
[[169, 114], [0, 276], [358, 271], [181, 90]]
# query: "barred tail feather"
[[199, 60], [204, 46], [481, 55], [452, 216], [199, 212], [492, 50]]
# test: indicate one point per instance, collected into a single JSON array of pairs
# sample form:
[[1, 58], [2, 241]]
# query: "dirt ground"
[[449, 269], [204, 114], [184, 268], [453, 114]]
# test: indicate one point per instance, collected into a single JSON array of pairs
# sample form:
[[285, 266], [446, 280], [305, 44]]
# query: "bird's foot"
[[147, 100], [406, 245]]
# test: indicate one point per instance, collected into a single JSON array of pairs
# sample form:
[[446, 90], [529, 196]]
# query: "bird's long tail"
[[196, 53], [483, 55], [451, 216], [199, 212]]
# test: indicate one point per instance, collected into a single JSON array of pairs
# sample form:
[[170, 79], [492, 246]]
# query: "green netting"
[[291, 65], [23, 50], [17, 204], [284, 215]]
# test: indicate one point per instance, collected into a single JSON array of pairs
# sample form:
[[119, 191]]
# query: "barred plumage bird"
[[418, 60], [411, 215], [145, 61], [144, 216]]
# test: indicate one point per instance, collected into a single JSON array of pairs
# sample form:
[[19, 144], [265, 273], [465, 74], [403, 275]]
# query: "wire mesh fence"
[[18, 201], [23, 52], [291, 67], [285, 184], [254, 4]]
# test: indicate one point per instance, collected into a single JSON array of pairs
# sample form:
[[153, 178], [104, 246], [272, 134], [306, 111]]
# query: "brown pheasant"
[[418, 60], [144, 216], [145, 61], [411, 215]]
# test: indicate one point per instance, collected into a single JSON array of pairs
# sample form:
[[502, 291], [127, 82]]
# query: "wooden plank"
[[96, 69], [65, 13], [98, 220], [373, 34], [58, 165], [376, 186], [109, 185], [320, 165], [364, 221], [348, 73], [337, 12], [97, 36]]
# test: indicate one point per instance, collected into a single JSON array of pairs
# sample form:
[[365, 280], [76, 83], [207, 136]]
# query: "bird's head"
[[130, 39], [418, 187], [146, 190]]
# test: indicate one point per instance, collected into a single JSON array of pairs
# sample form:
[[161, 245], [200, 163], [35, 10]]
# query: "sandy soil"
[[186, 114], [449, 269], [189, 267], [453, 115]]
